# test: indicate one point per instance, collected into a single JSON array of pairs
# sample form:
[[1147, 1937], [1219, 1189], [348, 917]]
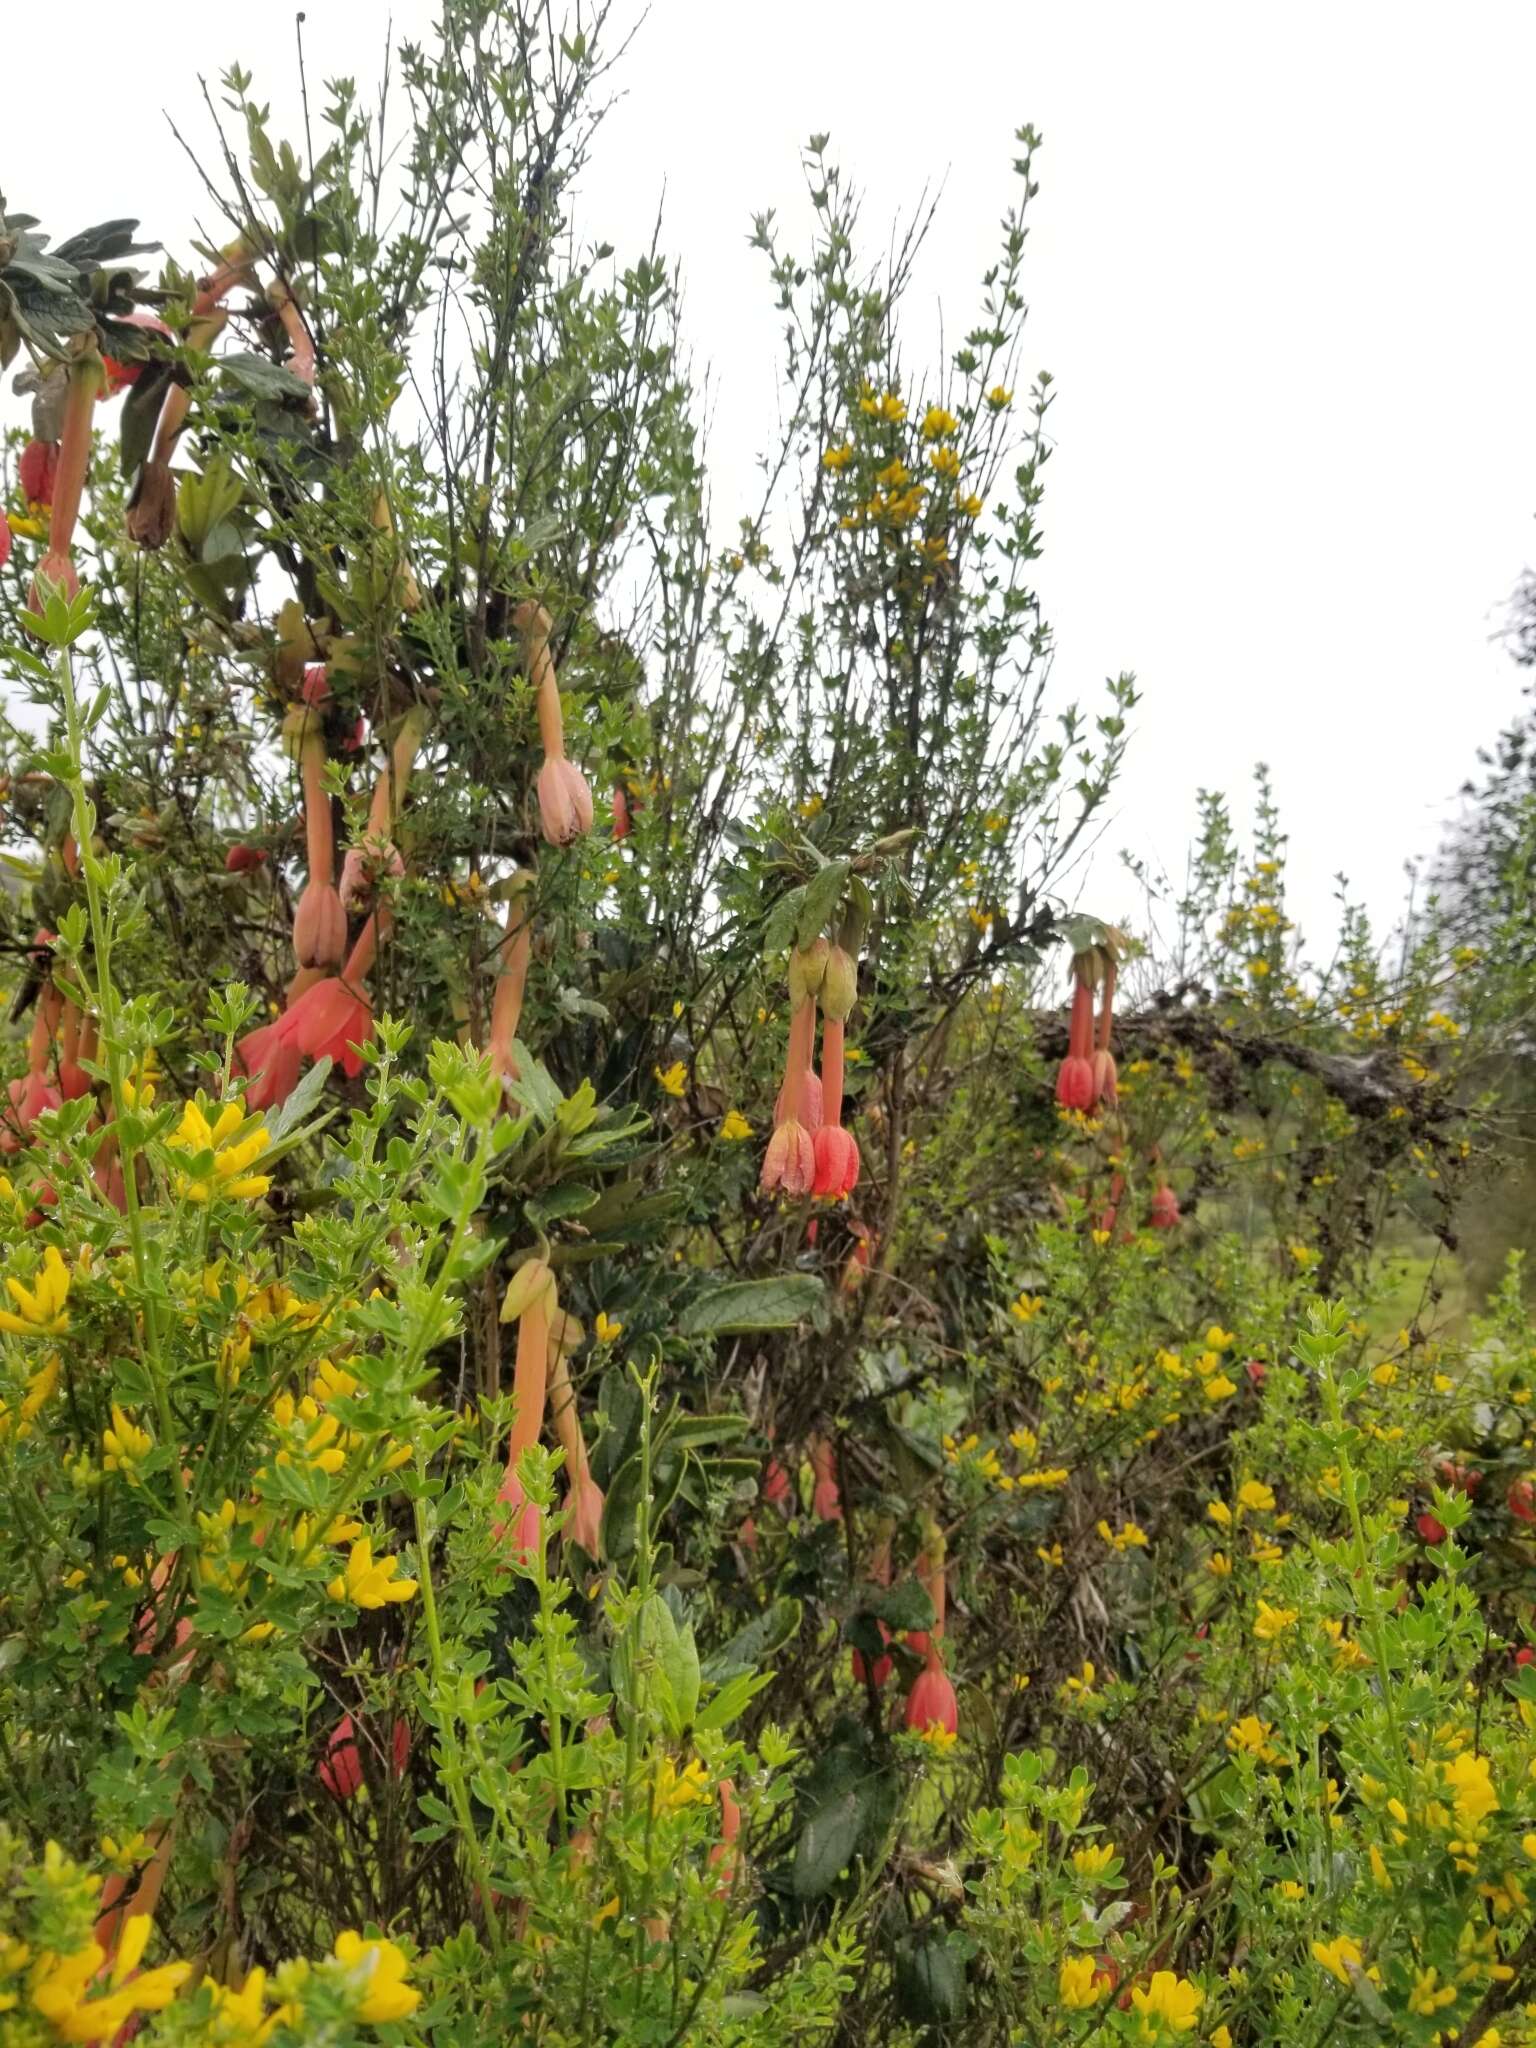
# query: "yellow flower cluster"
[[235, 1141], [40, 1309]]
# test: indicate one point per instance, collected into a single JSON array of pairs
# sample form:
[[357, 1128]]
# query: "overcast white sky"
[[1280, 270]]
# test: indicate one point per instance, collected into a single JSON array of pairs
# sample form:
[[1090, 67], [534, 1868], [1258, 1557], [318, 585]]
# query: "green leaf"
[[820, 899], [263, 378], [904, 1606], [557, 1202], [623, 1502], [751, 1647], [826, 1845], [930, 1977], [747, 1305]]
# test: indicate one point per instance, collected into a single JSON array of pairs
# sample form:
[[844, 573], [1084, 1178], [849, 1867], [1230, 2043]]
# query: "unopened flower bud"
[[840, 985], [807, 968], [524, 1289]]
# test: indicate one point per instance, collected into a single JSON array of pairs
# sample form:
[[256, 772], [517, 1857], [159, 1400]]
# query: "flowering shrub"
[[616, 1424]]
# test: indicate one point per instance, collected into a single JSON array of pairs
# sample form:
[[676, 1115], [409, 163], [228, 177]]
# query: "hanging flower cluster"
[[810, 1152]]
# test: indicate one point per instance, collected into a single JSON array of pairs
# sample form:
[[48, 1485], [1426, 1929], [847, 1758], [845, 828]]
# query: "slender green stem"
[[83, 819], [448, 1728]]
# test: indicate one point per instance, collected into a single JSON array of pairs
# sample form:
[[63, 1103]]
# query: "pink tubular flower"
[[332, 1019], [319, 927], [37, 470], [523, 1528], [621, 817], [837, 1162], [826, 1500], [361, 867], [5, 540], [1164, 1213], [775, 1487], [1074, 1079], [584, 1516], [341, 1768], [931, 1703], [240, 859], [790, 1161], [273, 1064], [54, 570], [565, 802], [882, 1668], [30, 1096]]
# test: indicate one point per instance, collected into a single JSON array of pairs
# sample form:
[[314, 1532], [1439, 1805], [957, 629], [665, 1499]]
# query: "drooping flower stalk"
[[532, 1302], [584, 1497], [931, 1704], [1074, 1079], [565, 802], [57, 564], [1106, 1079], [152, 506], [826, 1499], [836, 1150], [301, 362], [512, 976], [880, 1575], [320, 922]]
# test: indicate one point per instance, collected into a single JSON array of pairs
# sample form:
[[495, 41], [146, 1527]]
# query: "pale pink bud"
[[790, 1162], [565, 802], [320, 927]]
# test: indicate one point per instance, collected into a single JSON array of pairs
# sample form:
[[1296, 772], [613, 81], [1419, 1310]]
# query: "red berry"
[[1431, 1528], [1521, 1501]]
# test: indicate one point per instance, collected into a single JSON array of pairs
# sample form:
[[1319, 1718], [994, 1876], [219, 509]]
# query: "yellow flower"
[[1338, 1956], [1288, 1888], [610, 1911], [1251, 1735], [944, 461], [60, 1986], [125, 1443], [1079, 1985], [376, 1973], [40, 1310], [1219, 1565], [607, 1329], [1219, 1513], [1168, 2004], [672, 1080], [257, 1632], [937, 423], [1270, 1622], [1221, 2037], [1220, 1388], [40, 1385], [998, 397], [1128, 1537], [675, 1788], [734, 1127], [892, 409], [1472, 1788], [938, 1737], [837, 458], [236, 1142], [1094, 1859], [367, 1584], [1048, 1475], [1256, 1496], [969, 507], [239, 2018]]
